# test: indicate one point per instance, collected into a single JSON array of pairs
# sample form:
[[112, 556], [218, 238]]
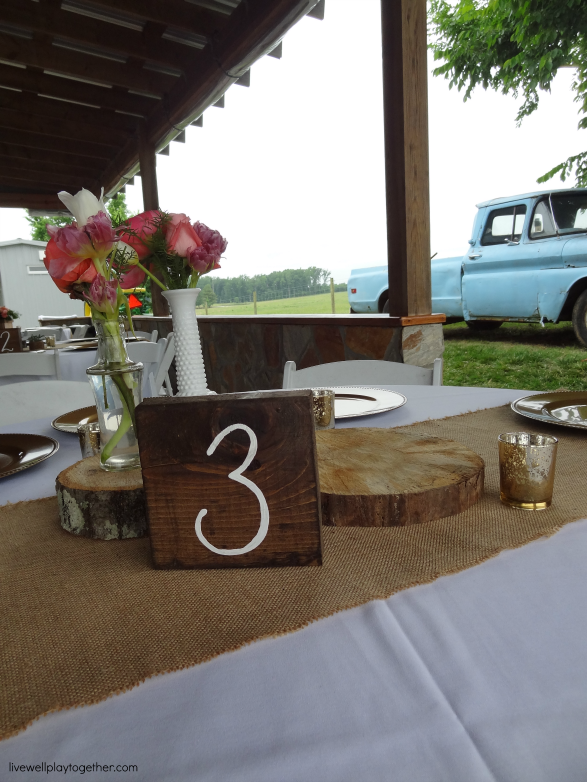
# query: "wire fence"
[[291, 292]]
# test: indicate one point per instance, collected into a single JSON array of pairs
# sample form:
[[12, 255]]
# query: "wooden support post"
[[403, 29], [148, 164], [254, 302], [332, 295]]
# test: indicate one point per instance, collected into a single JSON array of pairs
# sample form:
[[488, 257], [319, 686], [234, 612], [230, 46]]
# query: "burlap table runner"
[[83, 619]]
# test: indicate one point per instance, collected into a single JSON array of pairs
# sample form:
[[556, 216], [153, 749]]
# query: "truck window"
[[504, 225], [542, 224], [570, 212]]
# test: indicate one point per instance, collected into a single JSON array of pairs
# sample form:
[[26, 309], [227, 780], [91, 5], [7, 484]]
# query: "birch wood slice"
[[94, 503], [384, 478]]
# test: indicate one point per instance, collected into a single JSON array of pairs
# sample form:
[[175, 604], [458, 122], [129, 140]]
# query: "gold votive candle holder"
[[526, 469], [89, 439], [323, 401]]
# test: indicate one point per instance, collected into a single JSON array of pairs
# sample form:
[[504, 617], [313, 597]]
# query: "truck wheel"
[[580, 318], [483, 325]]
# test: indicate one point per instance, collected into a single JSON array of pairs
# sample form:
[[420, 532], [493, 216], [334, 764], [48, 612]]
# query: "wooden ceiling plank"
[[176, 13], [43, 84], [24, 200], [51, 19], [59, 170], [48, 110], [59, 184], [252, 29], [50, 143], [98, 133], [18, 151], [46, 56]]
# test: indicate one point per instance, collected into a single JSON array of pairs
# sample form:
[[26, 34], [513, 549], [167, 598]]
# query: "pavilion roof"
[[83, 82]]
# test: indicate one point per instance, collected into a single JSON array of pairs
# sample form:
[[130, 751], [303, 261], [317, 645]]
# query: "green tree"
[[517, 47], [207, 296], [116, 206]]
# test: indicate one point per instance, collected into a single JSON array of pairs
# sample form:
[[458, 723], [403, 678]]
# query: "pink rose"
[[206, 258], [181, 237], [137, 230]]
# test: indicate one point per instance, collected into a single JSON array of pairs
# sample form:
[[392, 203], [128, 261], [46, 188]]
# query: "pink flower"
[[181, 237], [103, 236], [3, 312], [138, 229], [206, 258], [103, 295], [71, 241], [132, 278]]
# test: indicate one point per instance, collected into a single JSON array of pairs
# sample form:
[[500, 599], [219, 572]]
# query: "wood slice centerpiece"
[[94, 503], [368, 478], [385, 478]]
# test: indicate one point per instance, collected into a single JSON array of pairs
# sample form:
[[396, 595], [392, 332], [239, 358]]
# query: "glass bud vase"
[[117, 385]]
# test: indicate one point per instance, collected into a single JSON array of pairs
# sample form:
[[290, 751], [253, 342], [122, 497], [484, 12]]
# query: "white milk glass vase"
[[189, 362], [116, 382]]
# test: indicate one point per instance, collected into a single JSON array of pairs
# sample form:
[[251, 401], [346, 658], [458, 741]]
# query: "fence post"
[[332, 294], [255, 302], [206, 305]]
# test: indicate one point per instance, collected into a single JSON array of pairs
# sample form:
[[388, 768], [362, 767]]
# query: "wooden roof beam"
[[47, 109], [175, 12], [20, 151], [59, 170], [94, 132], [51, 19], [44, 84], [23, 200], [96, 70], [45, 184], [51, 144]]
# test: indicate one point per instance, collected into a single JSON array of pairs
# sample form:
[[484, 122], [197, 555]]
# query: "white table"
[[479, 676]]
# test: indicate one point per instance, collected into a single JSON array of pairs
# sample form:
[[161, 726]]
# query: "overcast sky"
[[291, 171]]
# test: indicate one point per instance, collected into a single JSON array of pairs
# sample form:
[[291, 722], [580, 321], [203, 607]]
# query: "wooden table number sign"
[[10, 340], [231, 480]]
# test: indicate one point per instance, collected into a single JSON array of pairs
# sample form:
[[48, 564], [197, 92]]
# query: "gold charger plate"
[[21, 451], [69, 422], [564, 408]]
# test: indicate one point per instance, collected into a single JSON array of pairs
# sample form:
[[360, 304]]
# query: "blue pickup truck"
[[527, 261]]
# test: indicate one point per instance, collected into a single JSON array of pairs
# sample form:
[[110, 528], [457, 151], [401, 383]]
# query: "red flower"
[[65, 270]]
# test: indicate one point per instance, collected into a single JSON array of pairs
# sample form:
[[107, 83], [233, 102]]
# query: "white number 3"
[[237, 475]]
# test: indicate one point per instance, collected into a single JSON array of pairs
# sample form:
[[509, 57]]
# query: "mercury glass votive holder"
[[89, 439], [526, 469], [323, 401]]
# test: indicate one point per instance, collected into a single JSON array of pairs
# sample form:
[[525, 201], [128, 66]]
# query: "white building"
[[25, 285]]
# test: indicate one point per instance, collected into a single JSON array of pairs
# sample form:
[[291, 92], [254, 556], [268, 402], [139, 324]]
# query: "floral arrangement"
[[92, 261], [6, 314]]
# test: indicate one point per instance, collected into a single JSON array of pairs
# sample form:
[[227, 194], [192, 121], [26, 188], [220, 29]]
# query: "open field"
[[517, 355], [302, 305]]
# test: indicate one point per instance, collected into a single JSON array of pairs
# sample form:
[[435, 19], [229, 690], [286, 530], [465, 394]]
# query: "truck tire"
[[386, 306], [483, 325], [580, 318]]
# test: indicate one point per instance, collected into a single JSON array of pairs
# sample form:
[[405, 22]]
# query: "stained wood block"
[[231, 480], [384, 478], [10, 340], [94, 503]]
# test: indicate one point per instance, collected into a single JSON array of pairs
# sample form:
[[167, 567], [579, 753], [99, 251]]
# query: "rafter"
[[48, 109], [176, 13], [47, 185], [19, 151], [45, 84], [38, 54], [96, 132], [51, 19], [51, 144], [61, 170], [21, 199]]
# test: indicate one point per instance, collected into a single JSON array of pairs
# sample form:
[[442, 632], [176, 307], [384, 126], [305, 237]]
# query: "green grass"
[[309, 305], [516, 355]]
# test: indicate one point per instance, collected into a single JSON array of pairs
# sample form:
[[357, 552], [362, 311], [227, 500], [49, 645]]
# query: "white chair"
[[360, 373], [37, 362], [79, 331], [150, 354], [160, 384], [45, 331], [149, 335]]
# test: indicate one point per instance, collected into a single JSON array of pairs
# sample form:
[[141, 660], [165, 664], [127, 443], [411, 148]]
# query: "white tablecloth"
[[476, 677]]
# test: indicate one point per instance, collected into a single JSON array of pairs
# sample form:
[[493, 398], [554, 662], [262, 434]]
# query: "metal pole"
[[332, 295]]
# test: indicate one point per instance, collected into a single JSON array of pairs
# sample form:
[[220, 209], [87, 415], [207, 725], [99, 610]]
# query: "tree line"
[[285, 284]]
